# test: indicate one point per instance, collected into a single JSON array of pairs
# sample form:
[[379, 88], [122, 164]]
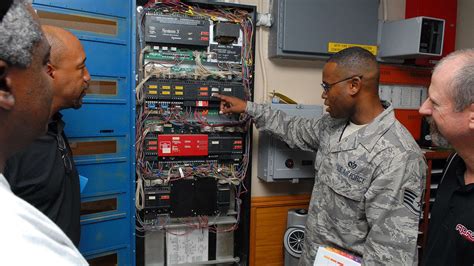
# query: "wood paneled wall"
[[268, 225]]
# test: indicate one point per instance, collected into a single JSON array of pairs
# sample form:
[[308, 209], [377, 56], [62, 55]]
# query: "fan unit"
[[294, 236]]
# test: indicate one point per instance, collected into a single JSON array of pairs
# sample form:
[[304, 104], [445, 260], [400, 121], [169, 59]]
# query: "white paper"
[[325, 257], [187, 245]]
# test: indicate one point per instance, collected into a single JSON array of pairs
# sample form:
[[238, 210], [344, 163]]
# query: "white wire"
[[385, 11], [262, 61]]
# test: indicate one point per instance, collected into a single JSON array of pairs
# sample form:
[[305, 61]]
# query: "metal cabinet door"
[[101, 133]]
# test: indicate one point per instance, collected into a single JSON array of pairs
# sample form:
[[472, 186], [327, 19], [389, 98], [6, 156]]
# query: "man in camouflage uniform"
[[370, 173]]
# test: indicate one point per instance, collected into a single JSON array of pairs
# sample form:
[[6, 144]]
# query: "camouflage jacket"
[[367, 193]]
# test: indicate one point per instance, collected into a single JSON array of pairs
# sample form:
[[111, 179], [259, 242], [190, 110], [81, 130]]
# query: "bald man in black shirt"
[[45, 175]]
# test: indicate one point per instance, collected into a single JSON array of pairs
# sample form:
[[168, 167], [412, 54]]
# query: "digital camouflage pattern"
[[368, 187]]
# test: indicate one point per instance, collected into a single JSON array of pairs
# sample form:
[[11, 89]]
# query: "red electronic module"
[[182, 145]]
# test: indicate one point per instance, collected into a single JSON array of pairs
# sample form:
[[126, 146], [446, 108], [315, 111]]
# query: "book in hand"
[[328, 256]]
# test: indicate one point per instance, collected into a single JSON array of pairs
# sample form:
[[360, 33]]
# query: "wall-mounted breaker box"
[[306, 29], [276, 160], [410, 38]]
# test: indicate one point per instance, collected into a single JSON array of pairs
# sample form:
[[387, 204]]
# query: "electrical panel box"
[[304, 29], [410, 38], [276, 160], [192, 162]]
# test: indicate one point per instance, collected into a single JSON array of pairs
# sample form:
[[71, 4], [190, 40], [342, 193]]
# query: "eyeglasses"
[[326, 86], [64, 154]]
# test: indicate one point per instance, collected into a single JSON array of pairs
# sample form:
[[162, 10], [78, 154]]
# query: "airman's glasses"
[[326, 86]]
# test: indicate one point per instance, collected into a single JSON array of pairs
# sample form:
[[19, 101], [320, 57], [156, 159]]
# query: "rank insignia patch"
[[412, 201]]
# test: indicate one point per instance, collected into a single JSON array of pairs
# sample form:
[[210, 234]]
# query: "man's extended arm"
[[296, 131]]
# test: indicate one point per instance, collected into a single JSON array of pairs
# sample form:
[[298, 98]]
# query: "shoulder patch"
[[412, 201]]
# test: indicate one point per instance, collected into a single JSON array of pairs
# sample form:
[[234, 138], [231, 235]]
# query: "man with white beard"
[[450, 112]]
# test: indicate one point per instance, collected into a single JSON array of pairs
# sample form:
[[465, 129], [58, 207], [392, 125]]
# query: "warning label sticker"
[[334, 47]]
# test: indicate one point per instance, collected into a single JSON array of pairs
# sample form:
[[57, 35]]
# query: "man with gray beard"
[[450, 113]]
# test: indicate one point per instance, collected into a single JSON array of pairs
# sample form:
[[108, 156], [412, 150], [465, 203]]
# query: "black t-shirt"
[[451, 227], [45, 176]]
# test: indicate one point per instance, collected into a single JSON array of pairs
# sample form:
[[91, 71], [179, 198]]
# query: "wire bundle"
[[151, 121]]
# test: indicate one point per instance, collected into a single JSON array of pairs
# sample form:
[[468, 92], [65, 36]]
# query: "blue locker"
[[101, 133]]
